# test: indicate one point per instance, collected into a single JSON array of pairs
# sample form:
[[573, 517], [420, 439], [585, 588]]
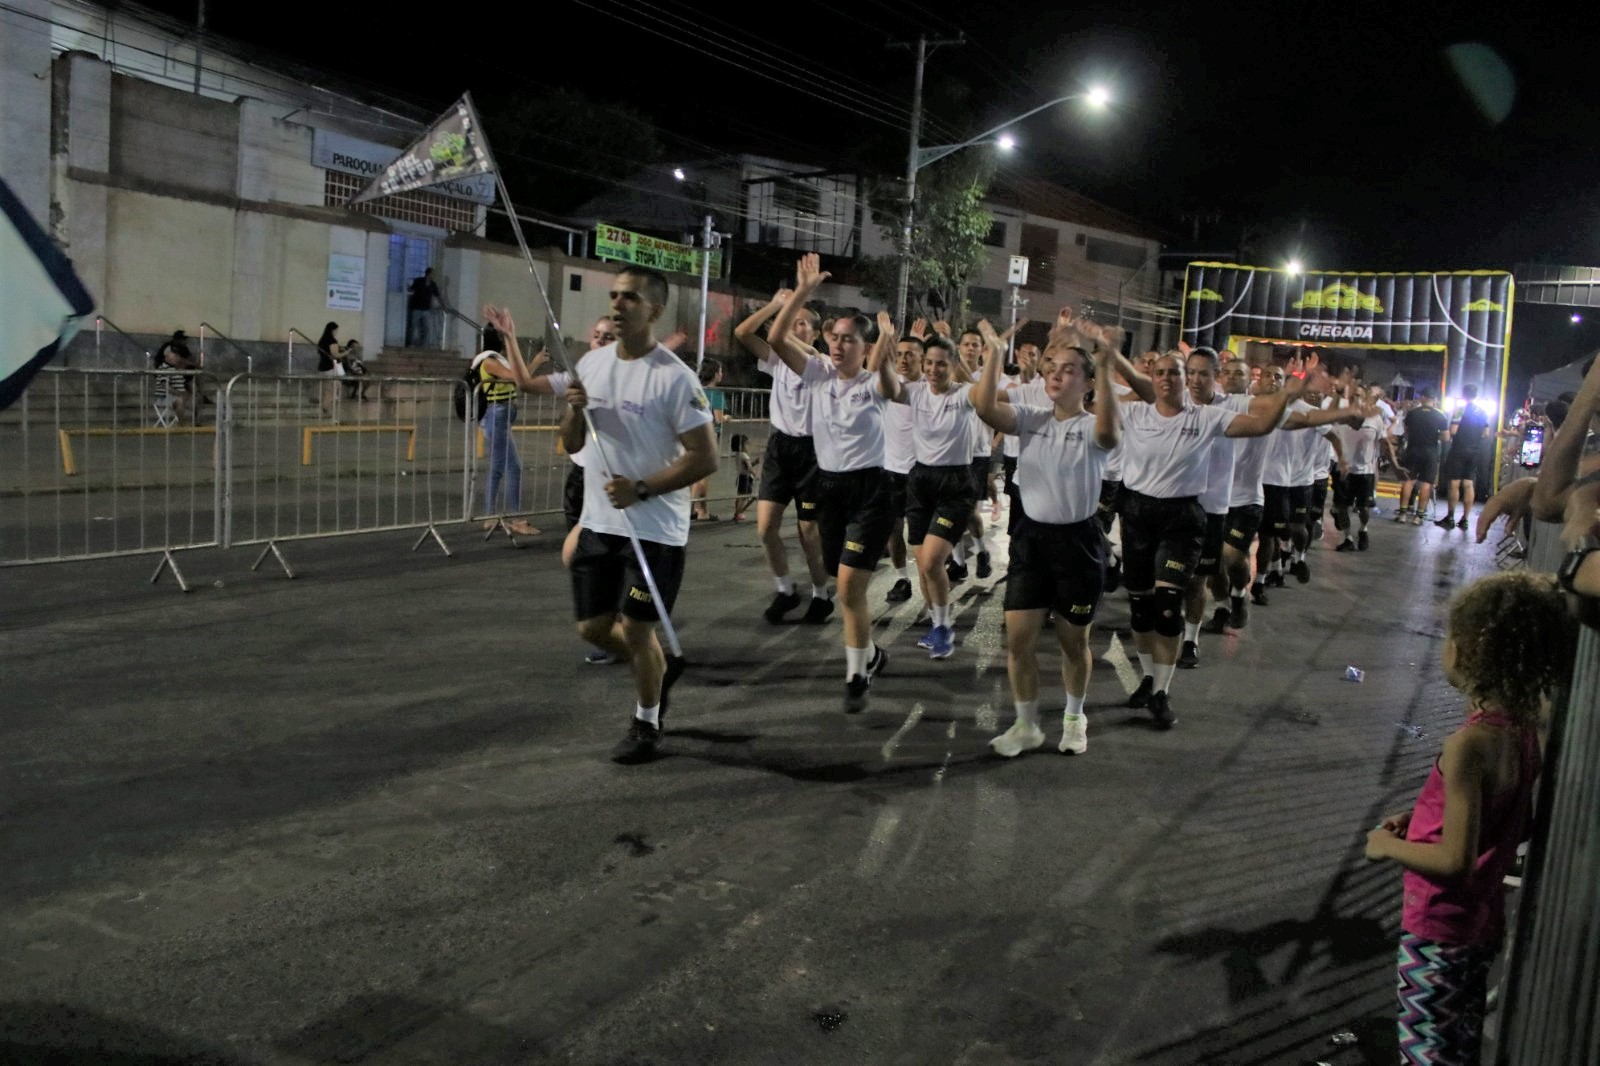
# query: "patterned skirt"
[[1443, 989]]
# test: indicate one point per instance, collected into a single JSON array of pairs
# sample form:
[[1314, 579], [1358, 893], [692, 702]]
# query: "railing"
[[1552, 1013], [102, 320], [249, 360], [477, 327]]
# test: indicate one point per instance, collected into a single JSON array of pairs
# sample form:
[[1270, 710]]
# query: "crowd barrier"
[[1552, 1014], [104, 462]]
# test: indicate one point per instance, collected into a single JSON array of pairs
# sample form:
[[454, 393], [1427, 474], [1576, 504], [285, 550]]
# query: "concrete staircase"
[[416, 363]]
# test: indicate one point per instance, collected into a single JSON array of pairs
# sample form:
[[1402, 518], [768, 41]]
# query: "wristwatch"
[[1570, 566], [641, 491]]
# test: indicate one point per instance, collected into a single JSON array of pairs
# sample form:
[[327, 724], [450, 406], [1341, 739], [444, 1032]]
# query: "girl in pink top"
[[1509, 644]]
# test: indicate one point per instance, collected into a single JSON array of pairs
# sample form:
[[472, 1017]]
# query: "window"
[[997, 235], [421, 207], [1040, 244], [796, 198], [984, 301], [1114, 253]]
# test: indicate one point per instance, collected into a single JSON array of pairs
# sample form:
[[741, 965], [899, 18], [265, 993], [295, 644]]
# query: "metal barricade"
[[1553, 1002], [310, 456], [742, 427], [99, 463], [528, 469]]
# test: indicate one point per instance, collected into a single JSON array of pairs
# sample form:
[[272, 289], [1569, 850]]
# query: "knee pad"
[[1142, 608], [1167, 610]]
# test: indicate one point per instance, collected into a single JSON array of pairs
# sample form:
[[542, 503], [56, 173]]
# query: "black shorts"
[[606, 577], [1008, 467], [938, 501], [1299, 504], [1355, 490], [1319, 497], [1275, 511], [897, 494], [1421, 465], [1161, 540], [853, 517], [1059, 568], [980, 478], [1211, 545], [788, 470], [572, 495], [1244, 522], [1461, 465], [744, 484]]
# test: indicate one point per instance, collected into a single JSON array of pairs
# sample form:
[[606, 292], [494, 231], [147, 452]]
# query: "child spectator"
[[1509, 645], [744, 489]]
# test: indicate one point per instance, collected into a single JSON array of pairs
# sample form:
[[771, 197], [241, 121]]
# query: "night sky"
[[1341, 133]]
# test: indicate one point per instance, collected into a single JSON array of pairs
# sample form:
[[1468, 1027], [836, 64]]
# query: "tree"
[[947, 237]]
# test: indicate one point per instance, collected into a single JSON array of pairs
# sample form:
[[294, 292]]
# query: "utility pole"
[[709, 239], [908, 217]]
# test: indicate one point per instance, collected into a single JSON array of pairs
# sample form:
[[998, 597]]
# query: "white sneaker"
[[1019, 738], [1074, 734]]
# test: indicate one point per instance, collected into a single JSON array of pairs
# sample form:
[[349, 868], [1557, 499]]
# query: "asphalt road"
[[366, 816]]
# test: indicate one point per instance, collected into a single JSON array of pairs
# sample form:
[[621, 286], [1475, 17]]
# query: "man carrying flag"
[[42, 301]]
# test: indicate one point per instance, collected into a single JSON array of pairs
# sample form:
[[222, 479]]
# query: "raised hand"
[[942, 328], [809, 273], [782, 296], [992, 339], [885, 324], [919, 328]]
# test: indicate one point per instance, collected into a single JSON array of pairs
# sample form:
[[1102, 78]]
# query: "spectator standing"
[[420, 313], [174, 355]]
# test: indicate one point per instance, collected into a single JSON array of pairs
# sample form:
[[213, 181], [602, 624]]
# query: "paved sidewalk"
[[366, 816]]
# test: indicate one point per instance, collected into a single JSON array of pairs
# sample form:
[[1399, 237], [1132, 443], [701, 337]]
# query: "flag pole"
[[675, 649]]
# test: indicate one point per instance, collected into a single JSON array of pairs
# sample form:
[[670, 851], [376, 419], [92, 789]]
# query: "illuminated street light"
[[1098, 96], [677, 172], [1576, 318], [1293, 266], [1006, 142]]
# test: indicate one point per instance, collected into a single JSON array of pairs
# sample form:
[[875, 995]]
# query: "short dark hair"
[[1208, 354], [914, 339], [1427, 393], [860, 324], [1469, 392], [656, 286], [1556, 412], [940, 342], [708, 370], [969, 330]]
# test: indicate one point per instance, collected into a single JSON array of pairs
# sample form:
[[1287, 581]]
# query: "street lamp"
[[1005, 142], [919, 157], [1293, 267]]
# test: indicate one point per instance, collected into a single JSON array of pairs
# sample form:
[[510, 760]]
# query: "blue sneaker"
[[941, 643], [927, 638]]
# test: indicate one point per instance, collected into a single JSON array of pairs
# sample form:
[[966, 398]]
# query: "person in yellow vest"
[[498, 380]]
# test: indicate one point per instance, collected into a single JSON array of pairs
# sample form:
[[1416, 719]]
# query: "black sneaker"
[[900, 591], [1362, 541], [985, 568], [639, 745], [1189, 657], [781, 604], [1274, 579], [820, 611], [1218, 623], [1346, 545], [1161, 711], [1301, 572], [855, 690], [1238, 612], [1258, 594], [954, 570], [1462, 524], [879, 660], [1447, 522], [1141, 695]]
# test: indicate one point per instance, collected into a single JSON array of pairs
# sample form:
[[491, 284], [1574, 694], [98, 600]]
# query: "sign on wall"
[[625, 246], [351, 155], [347, 280], [1465, 314]]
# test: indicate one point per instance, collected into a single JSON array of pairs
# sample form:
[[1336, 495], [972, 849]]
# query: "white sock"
[[648, 714], [1074, 705], [1300, 555], [900, 573], [969, 543], [1028, 712], [1274, 567], [820, 592], [959, 553], [940, 613], [1146, 665], [985, 544], [1239, 591], [1191, 632], [1164, 672], [855, 661], [1364, 524], [784, 584]]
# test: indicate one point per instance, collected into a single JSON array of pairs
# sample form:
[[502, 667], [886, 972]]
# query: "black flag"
[[451, 149]]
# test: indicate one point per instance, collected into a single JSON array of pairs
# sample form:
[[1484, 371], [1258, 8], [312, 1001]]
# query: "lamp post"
[[919, 157]]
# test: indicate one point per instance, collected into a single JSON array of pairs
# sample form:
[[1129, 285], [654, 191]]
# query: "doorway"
[[410, 254]]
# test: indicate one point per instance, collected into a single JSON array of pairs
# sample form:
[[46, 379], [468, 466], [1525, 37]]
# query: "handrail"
[[102, 319], [288, 365], [477, 327], [249, 360]]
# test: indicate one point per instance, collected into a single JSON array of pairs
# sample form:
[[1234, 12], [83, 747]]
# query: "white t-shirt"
[[559, 381], [846, 418], [940, 423], [1009, 444], [790, 406], [638, 408], [1114, 460], [1219, 470], [1168, 458], [1059, 465], [1307, 442], [1283, 451], [1324, 460], [899, 447], [1361, 445], [982, 437]]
